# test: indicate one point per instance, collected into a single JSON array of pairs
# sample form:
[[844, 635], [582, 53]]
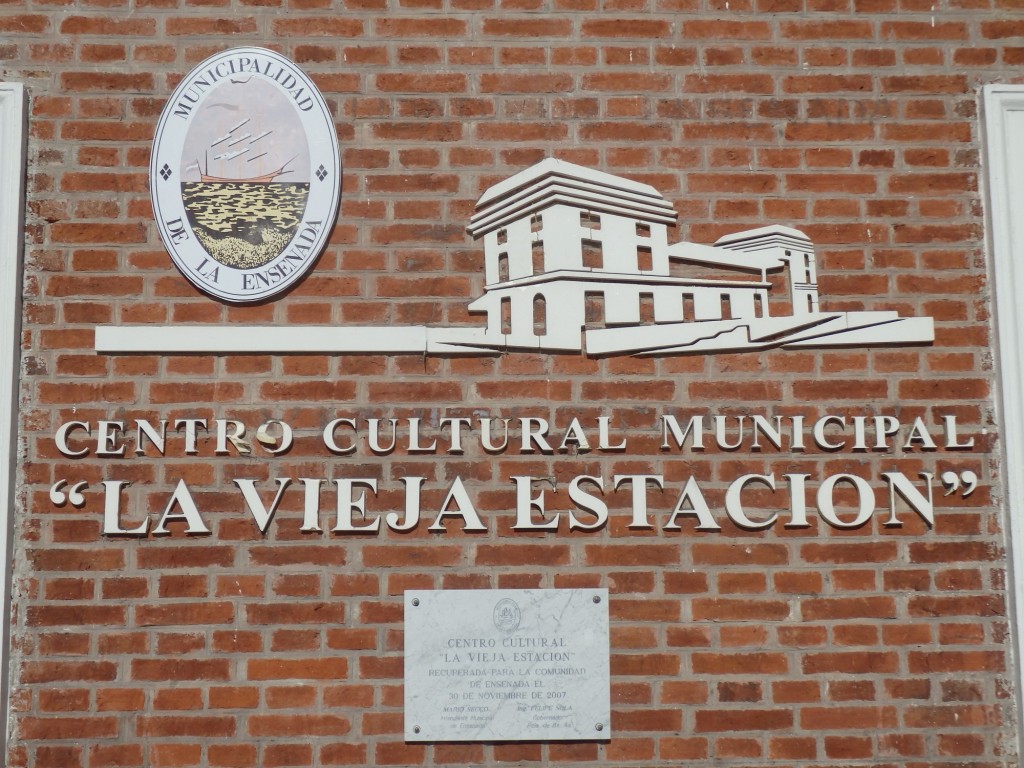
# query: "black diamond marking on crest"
[[321, 172], [165, 172]]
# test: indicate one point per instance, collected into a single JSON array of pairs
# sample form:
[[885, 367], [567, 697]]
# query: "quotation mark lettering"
[[73, 496], [952, 482]]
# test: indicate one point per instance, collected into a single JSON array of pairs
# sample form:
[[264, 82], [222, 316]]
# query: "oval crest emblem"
[[507, 615], [245, 175]]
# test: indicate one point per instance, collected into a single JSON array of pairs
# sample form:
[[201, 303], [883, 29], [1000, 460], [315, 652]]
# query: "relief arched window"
[[540, 315]]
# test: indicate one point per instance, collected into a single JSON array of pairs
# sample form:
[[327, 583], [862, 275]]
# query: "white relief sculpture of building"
[[559, 236]]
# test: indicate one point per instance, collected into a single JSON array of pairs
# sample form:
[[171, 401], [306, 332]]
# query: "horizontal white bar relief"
[[258, 339], [273, 339]]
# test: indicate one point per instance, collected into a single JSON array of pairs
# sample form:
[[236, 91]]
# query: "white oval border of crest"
[[240, 286]]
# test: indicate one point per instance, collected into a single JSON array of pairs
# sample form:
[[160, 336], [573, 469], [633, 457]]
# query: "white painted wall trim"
[[1003, 121], [13, 135]]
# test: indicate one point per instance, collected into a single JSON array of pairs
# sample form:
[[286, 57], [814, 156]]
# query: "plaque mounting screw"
[[415, 602], [597, 599], [416, 729], [599, 726]]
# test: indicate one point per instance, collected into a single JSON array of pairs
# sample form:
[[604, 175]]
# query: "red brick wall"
[[856, 122]]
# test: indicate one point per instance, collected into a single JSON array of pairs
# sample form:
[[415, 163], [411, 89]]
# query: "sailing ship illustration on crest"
[[244, 215]]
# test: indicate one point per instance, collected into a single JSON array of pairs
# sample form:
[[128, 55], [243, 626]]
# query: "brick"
[[79, 615], [995, 30], [57, 728], [317, 26], [99, 233], [171, 614], [210, 25], [726, 609], [523, 554], [531, 28], [740, 664], [847, 183], [758, 183], [448, 28], [421, 83], [621, 130], [75, 559], [107, 26], [203, 726], [847, 390], [35, 672], [512, 83], [836, 718], [185, 557], [666, 720], [734, 554], [928, 84], [298, 725], [625, 81], [920, 30], [644, 665], [636, 554], [730, 83], [947, 132], [956, 661], [343, 754], [25, 23], [140, 82], [727, 720], [412, 131], [952, 553], [680, 748], [729, 30], [112, 756], [298, 669], [306, 554], [827, 30], [295, 613], [853, 662], [848, 608], [949, 716], [190, 669], [755, 391], [638, 28], [827, 84]]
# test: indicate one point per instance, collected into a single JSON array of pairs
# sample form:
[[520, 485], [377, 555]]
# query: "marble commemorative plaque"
[[507, 665]]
